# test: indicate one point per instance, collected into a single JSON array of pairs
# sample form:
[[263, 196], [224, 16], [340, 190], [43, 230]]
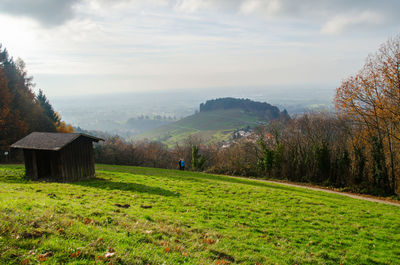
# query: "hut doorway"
[[43, 162]]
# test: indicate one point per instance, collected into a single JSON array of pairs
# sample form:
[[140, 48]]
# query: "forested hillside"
[[261, 109], [21, 111]]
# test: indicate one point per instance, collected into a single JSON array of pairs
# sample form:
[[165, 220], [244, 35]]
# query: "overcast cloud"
[[333, 15], [91, 46], [47, 12]]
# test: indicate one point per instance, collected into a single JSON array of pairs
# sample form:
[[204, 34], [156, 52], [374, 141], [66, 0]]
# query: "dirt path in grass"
[[351, 195]]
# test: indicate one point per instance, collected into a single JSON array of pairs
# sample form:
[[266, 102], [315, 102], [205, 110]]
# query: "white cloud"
[[340, 23], [191, 5], [270, 7]]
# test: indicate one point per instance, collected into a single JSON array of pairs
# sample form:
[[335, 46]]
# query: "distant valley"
[[133, 115]]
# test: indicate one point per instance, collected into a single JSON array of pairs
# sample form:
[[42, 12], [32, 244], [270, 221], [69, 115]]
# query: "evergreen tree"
[[197, 159], [47, 108]]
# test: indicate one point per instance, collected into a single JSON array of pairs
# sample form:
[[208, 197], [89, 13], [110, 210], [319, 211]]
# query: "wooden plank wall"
[[77, 160]]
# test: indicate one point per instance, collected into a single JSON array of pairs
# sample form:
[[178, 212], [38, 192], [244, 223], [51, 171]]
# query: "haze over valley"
[[125, 114]]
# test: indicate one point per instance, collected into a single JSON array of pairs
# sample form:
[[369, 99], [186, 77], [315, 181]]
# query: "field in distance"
[[133, 215], [212, 126]]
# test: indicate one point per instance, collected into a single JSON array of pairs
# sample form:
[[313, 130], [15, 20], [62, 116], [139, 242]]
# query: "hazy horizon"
[[111, 112]]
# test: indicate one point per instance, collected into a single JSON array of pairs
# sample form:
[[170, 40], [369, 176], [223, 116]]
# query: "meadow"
[[133, 215], [213, 126]]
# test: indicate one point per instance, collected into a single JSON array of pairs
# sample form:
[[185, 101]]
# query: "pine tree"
[[47, 107]]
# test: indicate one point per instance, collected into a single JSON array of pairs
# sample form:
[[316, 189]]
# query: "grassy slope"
[[210, 125], [194, 218]]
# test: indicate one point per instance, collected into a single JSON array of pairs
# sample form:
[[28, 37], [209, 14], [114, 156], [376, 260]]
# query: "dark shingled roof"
[[50, 141]]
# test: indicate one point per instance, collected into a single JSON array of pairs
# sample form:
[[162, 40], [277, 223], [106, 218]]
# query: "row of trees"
[[311, 148], [144, 153], [21, 111]]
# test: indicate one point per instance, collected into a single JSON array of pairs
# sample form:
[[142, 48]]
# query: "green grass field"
[[212, 126], [132, 215]]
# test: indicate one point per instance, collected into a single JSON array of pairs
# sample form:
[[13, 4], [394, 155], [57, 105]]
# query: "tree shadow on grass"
[[105, 184], [203, 177]]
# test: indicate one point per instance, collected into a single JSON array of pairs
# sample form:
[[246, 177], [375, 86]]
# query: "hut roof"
[[50, 141]]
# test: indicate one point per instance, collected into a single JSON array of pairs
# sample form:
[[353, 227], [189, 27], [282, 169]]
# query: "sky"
[[74, 47]]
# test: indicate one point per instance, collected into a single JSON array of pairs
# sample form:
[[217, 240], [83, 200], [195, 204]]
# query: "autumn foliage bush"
[[370, 102]]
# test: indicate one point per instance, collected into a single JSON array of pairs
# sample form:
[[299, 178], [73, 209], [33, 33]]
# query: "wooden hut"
[[60, 157]]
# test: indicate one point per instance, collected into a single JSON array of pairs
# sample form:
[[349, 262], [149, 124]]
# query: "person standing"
[[182, 164]]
